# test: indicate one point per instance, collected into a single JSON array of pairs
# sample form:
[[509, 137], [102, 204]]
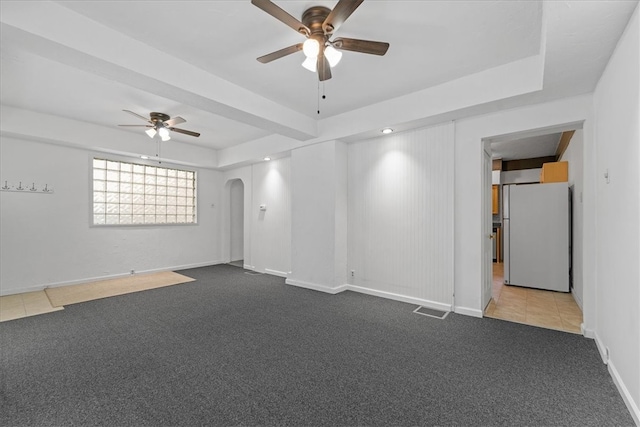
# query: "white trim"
[[577, 300], [248, 267], [397, 297], [601, 348], [624, 392], [468, 311], [15, 291], [388, 295], [4, 292], [316, 287], [275, 272], [587, 333]]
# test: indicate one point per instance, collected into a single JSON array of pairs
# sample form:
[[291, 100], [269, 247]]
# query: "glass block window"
[[129, 193]]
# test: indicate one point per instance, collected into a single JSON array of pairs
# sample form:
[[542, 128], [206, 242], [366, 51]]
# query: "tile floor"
[[53, 299], [23, 305], [546, 309]]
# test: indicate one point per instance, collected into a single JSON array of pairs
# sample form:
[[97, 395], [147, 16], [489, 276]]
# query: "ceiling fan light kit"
[[164, 133], [310, 64], [333, 55], [318, 25], [161, 124], [311, 48]]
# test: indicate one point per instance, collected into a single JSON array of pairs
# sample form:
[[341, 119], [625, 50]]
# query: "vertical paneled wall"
[[401, 214], [271, 228]]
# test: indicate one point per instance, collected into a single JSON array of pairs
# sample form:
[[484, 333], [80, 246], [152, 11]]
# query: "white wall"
[[47, 240], [267, 234], [401, 215], [616, 103], [319, 223], [468, 179], [271, 229], [574, 155], [236, 209]]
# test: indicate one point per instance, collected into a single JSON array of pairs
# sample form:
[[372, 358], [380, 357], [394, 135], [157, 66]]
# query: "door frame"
[[487, 227]]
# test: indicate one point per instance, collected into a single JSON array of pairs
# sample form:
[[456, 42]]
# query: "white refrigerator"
[[536, 223]]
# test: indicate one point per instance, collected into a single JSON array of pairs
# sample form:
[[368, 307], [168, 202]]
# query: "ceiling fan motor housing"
[[159, 117], [313, 19]]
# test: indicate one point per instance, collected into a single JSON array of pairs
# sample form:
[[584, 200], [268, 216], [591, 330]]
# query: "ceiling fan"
[[318, 25], [161, 124]]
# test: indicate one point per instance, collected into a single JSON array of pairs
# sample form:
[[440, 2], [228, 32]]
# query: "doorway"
[[520, 158], [236, 223]]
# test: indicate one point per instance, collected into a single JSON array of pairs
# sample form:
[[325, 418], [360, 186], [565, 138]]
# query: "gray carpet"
[[235, 349]]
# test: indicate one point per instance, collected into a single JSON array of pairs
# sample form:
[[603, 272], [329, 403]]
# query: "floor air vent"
[[426, 311]]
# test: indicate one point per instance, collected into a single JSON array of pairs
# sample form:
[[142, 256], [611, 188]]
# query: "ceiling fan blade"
[[137, 126], [339, 14], [363, 46], [281, 15], [146, 119], [186, 132], [280, 53], [324, 69], [174, 121]]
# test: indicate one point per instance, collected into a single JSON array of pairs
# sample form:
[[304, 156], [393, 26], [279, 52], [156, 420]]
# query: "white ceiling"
[[427, 41], [88, 60], [526, 148]]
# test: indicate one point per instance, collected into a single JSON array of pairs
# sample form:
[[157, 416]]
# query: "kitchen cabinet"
[[554, 172], [495, 199]]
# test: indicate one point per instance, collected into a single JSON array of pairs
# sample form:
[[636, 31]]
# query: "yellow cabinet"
[[495, 199], [554, 172]]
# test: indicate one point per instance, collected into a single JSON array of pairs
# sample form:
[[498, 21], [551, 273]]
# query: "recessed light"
[[266, 159], [144, 157], [386, 130]]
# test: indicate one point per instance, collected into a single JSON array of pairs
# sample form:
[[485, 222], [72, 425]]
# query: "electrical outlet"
[[353, 273], [133, 272]]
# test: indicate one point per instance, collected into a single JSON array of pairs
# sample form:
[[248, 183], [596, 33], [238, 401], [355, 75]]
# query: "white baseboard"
[[14, 291], [35, 288], [388, 295], [397, 297], [577, 300], [474, 312], [617, 380], [587, 333], [601, 349], [275, 273], [624, 392], [247, 267], [315, 286]]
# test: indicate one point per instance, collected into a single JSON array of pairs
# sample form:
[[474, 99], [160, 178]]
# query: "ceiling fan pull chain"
[[318, 97], [158, 148]]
